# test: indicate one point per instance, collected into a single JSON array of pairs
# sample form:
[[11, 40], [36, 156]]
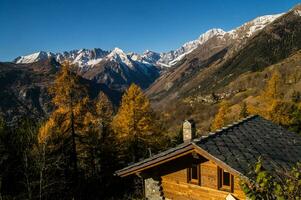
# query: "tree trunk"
[[28, 184], [74, 153], [42, 167]]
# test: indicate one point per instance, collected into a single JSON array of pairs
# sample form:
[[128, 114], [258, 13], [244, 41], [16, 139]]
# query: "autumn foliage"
[[272, 91], [134, 122], [69, 99], [220, 118], [77, 134]]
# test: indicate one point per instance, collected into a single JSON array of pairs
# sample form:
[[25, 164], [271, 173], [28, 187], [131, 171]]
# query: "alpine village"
[[218, 118]]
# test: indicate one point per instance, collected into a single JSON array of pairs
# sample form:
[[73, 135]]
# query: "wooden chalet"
[[211, 167]]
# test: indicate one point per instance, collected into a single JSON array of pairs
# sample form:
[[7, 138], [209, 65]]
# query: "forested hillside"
[[75, 151]]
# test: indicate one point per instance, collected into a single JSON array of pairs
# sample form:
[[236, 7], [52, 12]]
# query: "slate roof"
[[239, 145]]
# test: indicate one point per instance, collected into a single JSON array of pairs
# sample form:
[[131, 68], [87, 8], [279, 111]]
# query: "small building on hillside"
[[210, 167]]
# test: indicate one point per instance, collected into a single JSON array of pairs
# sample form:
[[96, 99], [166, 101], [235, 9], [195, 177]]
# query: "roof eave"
[[136, 168], [189, 148]]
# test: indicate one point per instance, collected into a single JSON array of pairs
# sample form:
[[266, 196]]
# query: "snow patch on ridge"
[[297, 12], [94, 61], [258, 23], [210, 34], [35, 57]]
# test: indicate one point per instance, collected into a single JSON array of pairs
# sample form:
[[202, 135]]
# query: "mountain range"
[[197, 69], [87, 58]]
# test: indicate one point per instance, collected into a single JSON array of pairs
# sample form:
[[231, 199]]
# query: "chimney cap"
[[189, 120]]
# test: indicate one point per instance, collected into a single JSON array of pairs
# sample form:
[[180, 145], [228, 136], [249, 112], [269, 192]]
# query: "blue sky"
[[28, 26]]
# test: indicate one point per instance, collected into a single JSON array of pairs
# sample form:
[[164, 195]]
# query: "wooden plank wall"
[[209, 174], [175, 185]]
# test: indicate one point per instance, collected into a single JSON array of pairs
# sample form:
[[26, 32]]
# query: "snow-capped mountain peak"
[[31, 58], [82, 57], [151, 56], [172, 57], [118, 51], [119, 56], [210, 34], [85, 57], [297, 10]]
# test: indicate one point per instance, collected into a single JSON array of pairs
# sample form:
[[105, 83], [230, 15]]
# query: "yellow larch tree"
[[134, 122], [243, 110], [267, 100], [282, 112], [104, 110], [220, 117], [272, 106], [97, 150], [70, 99], [272, 91], [100, 114], [278, 109]]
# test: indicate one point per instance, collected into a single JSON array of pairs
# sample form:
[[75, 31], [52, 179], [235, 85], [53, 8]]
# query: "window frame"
[[221, 185], [189, 177]]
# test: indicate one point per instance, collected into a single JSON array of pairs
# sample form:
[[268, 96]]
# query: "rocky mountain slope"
[[237, 74], [220, 60], [239, 34], [118, 70], [24, 89], [114, 68]]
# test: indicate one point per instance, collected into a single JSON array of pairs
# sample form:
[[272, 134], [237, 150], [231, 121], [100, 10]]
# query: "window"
[[194, 174], [225, 180]]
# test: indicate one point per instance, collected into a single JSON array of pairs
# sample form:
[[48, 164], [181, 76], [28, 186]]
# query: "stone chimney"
[[188, 130]]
